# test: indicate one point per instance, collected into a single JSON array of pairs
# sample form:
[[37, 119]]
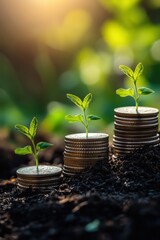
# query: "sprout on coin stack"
[[136, 126], [35, 176], [83, 150]]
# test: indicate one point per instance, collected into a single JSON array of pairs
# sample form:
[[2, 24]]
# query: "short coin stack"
[[134, 129], [48, 177], [81, 152]]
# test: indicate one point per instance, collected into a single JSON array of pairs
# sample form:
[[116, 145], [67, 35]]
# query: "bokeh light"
[[52, 47]]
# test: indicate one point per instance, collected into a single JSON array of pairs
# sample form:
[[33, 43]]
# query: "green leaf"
[[145, 91], [74, 118], [76, 100], [24, 151], [126, 70], [87, 100], [138, 70], [33, 126], [92, 226], [43, 145], [23, 129], [93, 117], [125, 92]]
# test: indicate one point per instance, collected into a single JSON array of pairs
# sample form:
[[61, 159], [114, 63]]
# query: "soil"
[[118, 200]]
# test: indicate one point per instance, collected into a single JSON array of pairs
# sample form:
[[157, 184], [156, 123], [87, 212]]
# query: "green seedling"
[[83, 105], [134, 92], [34, 148]]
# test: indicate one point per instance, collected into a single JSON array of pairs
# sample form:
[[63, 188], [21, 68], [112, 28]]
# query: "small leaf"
[[145, 91], [93, 117], [87, 100], [76, 100], [138, 71], [43, 145], [125, 92], [23, 129], [33, 126], [126, 70], [92, 226], [23, 151], [75, 118]]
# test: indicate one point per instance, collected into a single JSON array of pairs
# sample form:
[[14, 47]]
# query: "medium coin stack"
[[81, 152], [134, 129], [48, 177]]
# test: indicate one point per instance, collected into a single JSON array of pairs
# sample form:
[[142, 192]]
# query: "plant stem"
[[136, 95], [35, 154], [85, 123]]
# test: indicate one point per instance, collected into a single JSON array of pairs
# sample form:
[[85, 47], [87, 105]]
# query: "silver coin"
[[139, 127], [122, 133], [129, 148], [135, 139], [39, 180], [82, 164], [136, 119], [119, 143], [46, 188], [72, 168], [86, 144], [89, 149], [81, 137], [128, 123], [131, 111], [32, 184], [85, 155], [43, 171]]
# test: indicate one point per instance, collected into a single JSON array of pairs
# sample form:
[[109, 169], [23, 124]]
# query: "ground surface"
[[119, 200]]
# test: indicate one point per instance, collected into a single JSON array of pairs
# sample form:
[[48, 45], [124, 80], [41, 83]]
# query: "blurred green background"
[[52, 47]]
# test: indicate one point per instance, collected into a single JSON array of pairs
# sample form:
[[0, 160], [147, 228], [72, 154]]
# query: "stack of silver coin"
[[48, 177], [134, 129], [81, 152]]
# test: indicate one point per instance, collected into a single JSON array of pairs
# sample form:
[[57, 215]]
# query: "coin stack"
[[48, 177], [134, 129], [81, 152]]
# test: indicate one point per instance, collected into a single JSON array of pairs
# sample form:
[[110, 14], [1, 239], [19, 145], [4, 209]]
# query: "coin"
[[121, 143], [132, 127], [131, 111], [81, 137], [135, 139], [144, 133], [129, 148], [47, 176], [90, 148], [83, 164], [128, 123], [136, 119], [86, 145], [68, 174], [38, 184], [39, 181], [73, 170], [43, 171], [85, 154], [44, 188]]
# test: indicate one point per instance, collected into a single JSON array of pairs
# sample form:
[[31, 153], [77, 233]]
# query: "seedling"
[[30, 133], [83, 105], [134, 92]]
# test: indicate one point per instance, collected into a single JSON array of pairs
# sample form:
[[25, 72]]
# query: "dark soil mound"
[[119, 200]]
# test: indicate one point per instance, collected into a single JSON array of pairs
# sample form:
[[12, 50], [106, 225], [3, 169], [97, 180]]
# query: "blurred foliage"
[[50, 48]]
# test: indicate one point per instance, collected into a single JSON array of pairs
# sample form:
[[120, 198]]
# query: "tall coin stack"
[[48, 177], [81, 152], [134, 129]]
